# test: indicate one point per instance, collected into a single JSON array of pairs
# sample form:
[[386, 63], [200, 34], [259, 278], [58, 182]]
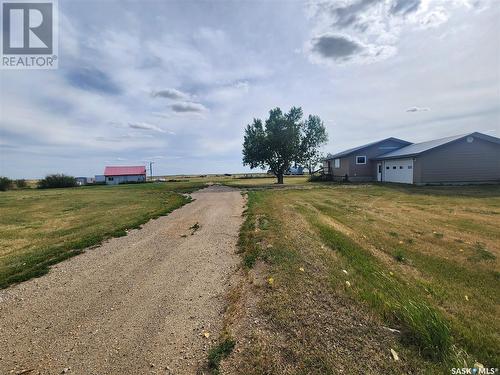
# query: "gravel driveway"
[[147, 303]]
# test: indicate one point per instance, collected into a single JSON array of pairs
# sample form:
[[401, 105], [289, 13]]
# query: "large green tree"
[[283, 140]]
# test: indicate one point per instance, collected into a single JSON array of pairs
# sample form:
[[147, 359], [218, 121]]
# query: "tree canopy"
[[283, 140]]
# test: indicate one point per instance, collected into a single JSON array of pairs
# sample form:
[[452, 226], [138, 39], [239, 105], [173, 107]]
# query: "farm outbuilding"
[[124, 174], [99, 179], [81, 181]]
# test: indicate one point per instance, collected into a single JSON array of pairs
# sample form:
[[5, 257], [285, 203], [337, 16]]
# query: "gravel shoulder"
[[140, 304]]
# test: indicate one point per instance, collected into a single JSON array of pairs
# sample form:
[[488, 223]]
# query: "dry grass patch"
[[297, 315], [418, 259]]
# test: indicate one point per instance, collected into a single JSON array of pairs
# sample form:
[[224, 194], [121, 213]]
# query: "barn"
[[124, 174]]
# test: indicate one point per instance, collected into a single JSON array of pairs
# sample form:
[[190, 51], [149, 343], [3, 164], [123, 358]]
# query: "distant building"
[[81, 181], [297, 170], [121, 175], [100, 179]]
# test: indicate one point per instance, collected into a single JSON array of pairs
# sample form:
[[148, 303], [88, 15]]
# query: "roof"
[[351, 150], [125, 171], [419, 148]]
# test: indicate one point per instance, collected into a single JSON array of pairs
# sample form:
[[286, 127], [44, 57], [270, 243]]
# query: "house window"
[[110, 178], [387, 167], [336, 163], [410, 167], [394, 167], [360, 159], [400, 167]]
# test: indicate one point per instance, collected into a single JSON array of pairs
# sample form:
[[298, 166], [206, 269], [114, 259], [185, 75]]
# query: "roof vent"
[[470, 139]]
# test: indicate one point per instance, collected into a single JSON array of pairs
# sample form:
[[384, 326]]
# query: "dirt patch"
[[147, 303]]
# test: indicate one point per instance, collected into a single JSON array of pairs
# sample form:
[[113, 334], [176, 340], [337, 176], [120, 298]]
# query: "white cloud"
[[366, 31], [171, 94], [145, 126], [188, 107], [417, 109]]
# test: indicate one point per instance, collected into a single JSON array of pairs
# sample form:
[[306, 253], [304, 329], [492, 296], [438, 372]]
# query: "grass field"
[[424, 259], [251, 180], [41, 227]]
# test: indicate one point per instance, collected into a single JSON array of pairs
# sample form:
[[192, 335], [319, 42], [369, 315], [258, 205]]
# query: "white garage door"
[[399, 170]]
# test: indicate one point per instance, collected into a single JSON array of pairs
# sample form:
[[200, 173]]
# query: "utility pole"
[[151, 169]]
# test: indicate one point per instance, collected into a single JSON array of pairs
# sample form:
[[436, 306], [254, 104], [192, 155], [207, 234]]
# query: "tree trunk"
[[279, 176]]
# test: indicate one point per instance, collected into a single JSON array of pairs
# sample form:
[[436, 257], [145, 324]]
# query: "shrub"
[[5, 183], [57, 181], [320, 177], [21, 184]]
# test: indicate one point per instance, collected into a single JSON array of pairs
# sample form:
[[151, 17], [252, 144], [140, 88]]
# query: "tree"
[[57, 181], [5, 183], [314, 161], [284, 139]]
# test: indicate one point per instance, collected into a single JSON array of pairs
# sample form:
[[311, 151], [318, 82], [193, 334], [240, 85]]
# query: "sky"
[[176, 82]]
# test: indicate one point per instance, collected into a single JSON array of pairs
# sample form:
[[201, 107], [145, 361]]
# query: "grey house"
[[359, 163], [467, 158]]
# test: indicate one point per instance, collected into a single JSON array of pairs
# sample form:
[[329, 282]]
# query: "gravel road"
[[140, 304]]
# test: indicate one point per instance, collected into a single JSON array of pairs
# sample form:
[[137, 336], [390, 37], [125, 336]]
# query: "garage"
[[398, 170]]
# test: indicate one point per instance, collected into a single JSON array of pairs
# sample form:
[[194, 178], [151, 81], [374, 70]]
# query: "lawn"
[[424, 260], [39, 228]]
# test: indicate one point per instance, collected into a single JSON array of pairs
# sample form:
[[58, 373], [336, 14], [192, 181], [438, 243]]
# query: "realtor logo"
[[29, 31]]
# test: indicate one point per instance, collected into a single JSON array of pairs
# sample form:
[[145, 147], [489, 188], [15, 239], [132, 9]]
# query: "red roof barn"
[[123, 174]]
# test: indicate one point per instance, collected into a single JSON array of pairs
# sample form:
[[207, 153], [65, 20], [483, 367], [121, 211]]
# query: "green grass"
[[419, 257], [219, 352], [39, 228], [481, 253], [397, 301]]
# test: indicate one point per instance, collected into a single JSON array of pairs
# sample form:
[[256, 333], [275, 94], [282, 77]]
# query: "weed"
[[400, 256], [263, 223], [195, 227], [218, 353], [426, 328], [481, 253]]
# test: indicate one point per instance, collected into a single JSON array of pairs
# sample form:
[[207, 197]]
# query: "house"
[[80, 181], [100, 179], [358, 163], [125, 174], [466, 158]]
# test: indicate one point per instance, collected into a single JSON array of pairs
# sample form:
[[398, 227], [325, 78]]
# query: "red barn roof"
[[124, 171]]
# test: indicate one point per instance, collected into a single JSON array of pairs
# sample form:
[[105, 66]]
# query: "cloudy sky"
[[175, 82]]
